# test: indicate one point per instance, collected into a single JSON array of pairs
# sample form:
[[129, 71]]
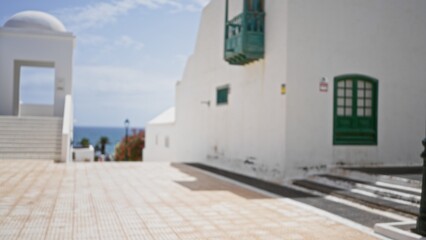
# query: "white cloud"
[[110, 79], [128, 42], [106, 93], [90, 39], [99, 14], [192, 8], [202, 2]]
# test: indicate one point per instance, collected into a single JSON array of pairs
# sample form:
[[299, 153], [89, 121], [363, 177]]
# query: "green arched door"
[[355, 110]]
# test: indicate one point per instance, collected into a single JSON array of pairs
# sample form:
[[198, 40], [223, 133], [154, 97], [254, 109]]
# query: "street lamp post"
[[421, 220], [126, 124]]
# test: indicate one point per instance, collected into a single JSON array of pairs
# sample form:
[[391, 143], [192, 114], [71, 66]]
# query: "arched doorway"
[[355, 110]]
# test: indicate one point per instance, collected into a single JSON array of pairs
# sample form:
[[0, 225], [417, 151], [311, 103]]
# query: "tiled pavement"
[[43, 200]]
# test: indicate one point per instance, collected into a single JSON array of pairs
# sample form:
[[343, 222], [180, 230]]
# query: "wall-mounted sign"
[[323, 86], [283, 89]]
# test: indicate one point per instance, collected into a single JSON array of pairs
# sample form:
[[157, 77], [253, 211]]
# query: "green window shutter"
[[222, 95], [355, 110]]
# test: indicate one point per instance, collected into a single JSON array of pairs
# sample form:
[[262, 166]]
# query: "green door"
[[355, 110]]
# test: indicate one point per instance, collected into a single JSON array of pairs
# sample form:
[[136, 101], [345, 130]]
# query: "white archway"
[[34, 39], [26, 108]]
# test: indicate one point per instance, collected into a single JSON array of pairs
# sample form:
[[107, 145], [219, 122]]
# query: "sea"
[[114, 134]]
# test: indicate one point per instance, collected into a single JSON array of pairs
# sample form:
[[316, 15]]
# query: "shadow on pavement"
[[204, 182], [267, 186], [362, 217]]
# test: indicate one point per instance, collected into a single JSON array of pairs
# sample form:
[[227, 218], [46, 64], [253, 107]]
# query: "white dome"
[[35, 20]]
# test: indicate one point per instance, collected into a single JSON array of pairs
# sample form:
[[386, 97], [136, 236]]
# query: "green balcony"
[[245, 35]]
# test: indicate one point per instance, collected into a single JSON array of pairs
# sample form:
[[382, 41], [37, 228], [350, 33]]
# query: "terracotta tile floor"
[[43, 200]]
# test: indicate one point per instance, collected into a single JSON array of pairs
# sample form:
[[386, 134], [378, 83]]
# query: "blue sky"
[[128, 57]]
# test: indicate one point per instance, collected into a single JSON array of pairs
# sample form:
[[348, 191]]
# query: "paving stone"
[[44, 200]]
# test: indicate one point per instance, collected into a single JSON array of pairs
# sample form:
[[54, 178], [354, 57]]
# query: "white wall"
[[385, 39], [235, 8], [251, 127], [29, 47], [39, 110], [160, 144], [281, 135], [83, 154]]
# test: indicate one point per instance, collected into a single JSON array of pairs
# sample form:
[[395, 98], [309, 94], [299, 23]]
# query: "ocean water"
[[115, 135]]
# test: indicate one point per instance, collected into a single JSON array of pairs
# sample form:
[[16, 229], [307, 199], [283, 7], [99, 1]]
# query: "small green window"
[[355, 110], [222, 95]]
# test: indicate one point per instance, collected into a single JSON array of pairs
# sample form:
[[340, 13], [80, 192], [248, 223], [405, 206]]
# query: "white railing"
[[67, 130]]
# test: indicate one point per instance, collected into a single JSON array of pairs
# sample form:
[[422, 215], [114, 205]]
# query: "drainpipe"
[[226, 29], [226, 19]]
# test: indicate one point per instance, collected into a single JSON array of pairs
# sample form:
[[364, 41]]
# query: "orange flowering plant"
[[132, 150]]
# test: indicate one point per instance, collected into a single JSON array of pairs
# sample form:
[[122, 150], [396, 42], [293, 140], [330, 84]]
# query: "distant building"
[[161, 146], [290, 87], [37, 131]]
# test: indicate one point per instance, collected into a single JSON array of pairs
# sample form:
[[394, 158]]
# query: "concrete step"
[[402, 187], [18, 120], [29, 142], [28, 156], [11, 127], [30, 134], [18, 128], [28, 148], [384, 176], [26, 132], [30, 127], [389, 191], [370, 200], [30, 138], [28, 123], [24, 122], [29, 118], [31, 149]]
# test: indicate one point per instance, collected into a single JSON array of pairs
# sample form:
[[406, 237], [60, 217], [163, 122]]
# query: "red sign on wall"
[[323, 87]]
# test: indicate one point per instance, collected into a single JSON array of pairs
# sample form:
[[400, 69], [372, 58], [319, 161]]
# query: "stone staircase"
[[378, 190], [30, 138]]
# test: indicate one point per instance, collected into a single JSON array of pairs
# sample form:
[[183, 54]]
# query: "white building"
[[161, 144], [40, 131], [321, 83], [83, 154]]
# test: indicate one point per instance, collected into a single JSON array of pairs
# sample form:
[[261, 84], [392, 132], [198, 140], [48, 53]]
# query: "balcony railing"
[[245, 38]]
